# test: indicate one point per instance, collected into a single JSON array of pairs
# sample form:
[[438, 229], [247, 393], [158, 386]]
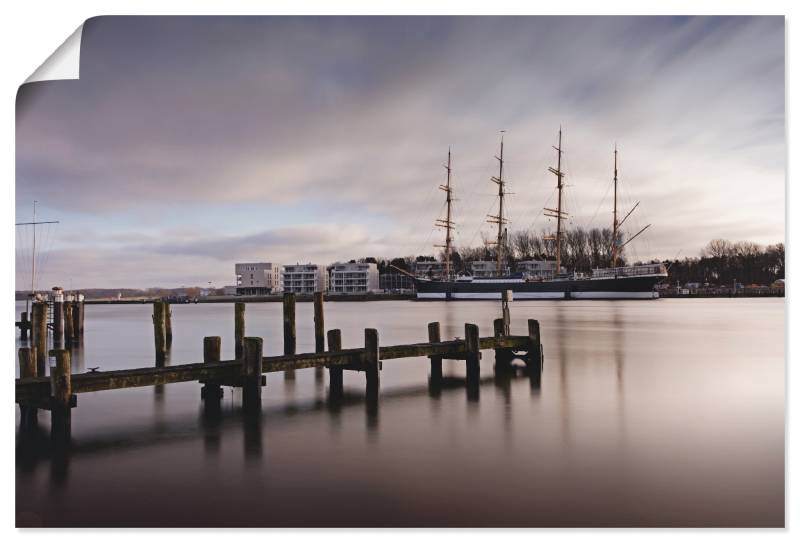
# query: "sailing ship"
[[540, 279]]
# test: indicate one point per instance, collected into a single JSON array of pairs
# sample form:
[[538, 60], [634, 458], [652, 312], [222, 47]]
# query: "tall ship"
[[538, 279]]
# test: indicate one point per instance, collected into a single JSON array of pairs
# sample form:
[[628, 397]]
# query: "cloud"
[[346, 121]]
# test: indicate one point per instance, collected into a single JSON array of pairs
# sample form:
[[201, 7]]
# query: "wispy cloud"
[[346, 122]]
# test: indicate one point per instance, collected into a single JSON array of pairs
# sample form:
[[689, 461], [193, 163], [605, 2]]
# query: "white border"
[[33, 30]]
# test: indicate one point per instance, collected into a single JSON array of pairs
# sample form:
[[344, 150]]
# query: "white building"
[[354, 278], [257, 278], [537, 269], [304, 278], [486, 268], [229, 290]]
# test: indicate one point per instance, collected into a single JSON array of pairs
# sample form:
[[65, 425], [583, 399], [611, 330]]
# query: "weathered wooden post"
[[507, 296], [289, 329], [371, 362], [319, 323], [473, 355], [39, 336], [58, 316], [76, 319], [23, 328], [319, 330], [238, 329], [159, 331], [251, 373], [335, 373], [27, 368], [168, 324], [61, 399], [211, 391], [502, 357], [534, 358], [434, 336], [68, 328]]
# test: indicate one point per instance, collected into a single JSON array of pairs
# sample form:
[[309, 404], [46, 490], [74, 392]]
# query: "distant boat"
[[544, 279]]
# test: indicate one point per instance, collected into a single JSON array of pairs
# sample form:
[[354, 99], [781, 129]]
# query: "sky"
[[191, 143]]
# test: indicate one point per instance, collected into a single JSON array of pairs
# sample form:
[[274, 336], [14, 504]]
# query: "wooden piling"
[[212, 352], [24, 325], [434, 336], [61, 400], [69, 333], [499, 328], [335, 373], [27, 369], [502, 357], [473, 353], [159, 331], [39, 336], [168, 324], [507, 296], [319, 323], [289, 329], [251, 373], [76, 319], [238, 329], [58, 322], [372, 361]]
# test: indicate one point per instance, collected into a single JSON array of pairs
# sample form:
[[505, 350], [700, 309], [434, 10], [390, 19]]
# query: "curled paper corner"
[[64, 63]]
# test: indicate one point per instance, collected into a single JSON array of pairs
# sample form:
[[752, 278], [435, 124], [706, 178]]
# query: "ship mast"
[[447, 222], [500, 219], [557, 213], [614, 245]]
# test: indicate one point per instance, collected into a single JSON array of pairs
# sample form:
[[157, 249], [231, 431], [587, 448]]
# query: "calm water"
[[648, 414]]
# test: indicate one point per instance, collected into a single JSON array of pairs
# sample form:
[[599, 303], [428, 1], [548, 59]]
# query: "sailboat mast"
[[557, 213], [447, 222], [614, 247], [500, 215], [33, 253]]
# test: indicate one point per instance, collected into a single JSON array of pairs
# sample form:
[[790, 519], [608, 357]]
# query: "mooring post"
[[319, 322], [168, 324], [251, 373], [473, 352], [238, 329], [27, 368], [211, 392], [76, 319], [534, 348], [23, 328], [159, 331], [289, 329], [58, 317], [371, 362], [335, 373], [39, 336], [61, 399], [68, 328], [434, 336], [502, 357], [508, 296]]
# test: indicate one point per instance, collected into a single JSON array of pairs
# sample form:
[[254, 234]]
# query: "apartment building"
[[257, 278], [304, 278], [354, 278]]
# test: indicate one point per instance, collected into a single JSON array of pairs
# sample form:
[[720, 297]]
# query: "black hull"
[[639, 288]]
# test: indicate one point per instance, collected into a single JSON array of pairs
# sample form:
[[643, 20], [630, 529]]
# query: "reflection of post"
[[507, 296], [168, 324], [335, 373], [61, 396], [473, 356], [289, 329], [69, 334]]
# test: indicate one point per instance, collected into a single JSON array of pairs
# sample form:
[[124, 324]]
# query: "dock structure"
[[58, 392]]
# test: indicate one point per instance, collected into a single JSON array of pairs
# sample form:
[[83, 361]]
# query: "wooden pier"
[[58, 392]]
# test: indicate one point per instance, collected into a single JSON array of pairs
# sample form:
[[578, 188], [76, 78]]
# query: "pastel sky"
[[191, 143]]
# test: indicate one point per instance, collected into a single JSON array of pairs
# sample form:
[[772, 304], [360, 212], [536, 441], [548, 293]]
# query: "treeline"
[[722, 262]]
